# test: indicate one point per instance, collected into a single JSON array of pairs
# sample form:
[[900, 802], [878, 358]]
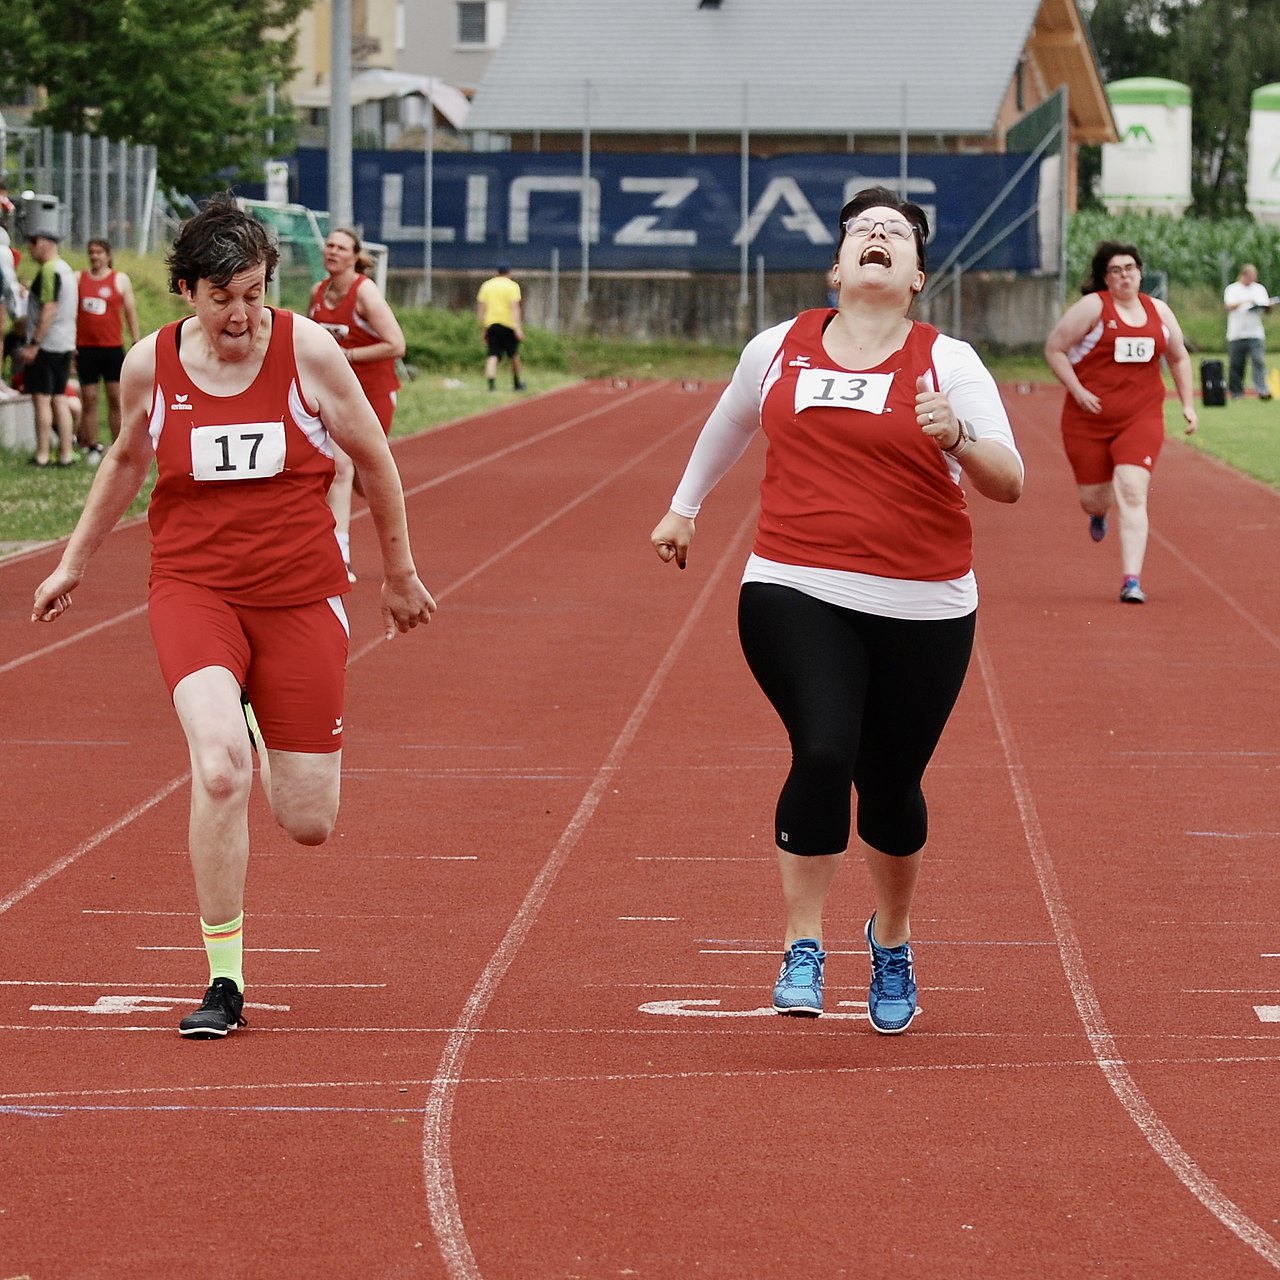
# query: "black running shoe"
[[219, 1012]]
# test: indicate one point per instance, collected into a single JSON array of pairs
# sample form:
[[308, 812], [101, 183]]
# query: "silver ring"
[[930, 415]]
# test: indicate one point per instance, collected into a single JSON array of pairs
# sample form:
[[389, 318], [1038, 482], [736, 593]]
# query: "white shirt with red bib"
[[858, 506]]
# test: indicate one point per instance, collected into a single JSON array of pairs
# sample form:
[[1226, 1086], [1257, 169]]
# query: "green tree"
[[1223, 50], [191, 79]]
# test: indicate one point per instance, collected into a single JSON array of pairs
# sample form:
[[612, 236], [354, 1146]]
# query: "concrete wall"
[[17, 423], [1008, 313]]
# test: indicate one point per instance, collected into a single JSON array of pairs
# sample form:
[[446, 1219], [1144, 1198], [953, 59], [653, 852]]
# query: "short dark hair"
[[104, 245], [883, 198], [218, 243], [1096, 281]]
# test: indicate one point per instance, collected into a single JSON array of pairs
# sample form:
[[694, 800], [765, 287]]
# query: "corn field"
[[1191, 251]]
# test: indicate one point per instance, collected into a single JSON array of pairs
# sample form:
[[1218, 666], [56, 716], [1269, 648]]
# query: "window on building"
[[481, 23]]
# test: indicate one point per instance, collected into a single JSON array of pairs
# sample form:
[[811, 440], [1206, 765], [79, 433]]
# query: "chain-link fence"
[[81, 187]]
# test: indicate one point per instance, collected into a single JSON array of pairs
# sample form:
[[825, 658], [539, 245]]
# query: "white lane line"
[[442, 1194], [104, 833], [45, 650], [53, 1097], [542, 525], [185, 987], [1215, 586], [62, 863], [1089, 1009], [286, 951]]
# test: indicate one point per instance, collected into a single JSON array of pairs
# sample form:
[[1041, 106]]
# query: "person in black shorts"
[[104, 304], [499, 306]]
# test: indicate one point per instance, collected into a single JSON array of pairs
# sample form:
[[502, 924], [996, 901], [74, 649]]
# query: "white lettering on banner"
[[477, 207], [672, 193], [1135, 350], [838, 389], [242, 451], [521, 195], [393, 224], [802, 217]]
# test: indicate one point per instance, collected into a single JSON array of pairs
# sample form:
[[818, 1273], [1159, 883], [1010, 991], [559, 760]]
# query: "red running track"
[[511, 1021]]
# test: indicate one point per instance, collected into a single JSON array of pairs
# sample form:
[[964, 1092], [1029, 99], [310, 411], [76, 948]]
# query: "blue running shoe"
[[1132, 593], [799, 987], [1097, 528], [892, 1001]]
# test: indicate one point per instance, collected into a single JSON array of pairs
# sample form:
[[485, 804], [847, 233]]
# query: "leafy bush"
[[1191, 251]]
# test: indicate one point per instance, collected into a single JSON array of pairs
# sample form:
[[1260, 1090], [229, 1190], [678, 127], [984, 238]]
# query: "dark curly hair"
[[1096, 280], [221, 241], [883, 198]]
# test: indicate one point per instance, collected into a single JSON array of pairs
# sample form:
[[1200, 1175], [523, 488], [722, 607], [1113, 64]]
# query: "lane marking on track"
[[1267, 1012], [45, 650], [56, 646], [104, 833], [110, 1005], [643, 857], [1088, 1007], [542, 525], [405, 1083], [442, 1194], [288, 951], [185, 987], [1216, 587]]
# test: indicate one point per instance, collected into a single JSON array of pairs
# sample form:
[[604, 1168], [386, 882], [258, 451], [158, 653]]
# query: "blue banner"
[[652, 212]]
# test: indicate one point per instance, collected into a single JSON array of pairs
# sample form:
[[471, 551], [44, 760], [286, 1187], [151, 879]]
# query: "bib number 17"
[[242, 451]]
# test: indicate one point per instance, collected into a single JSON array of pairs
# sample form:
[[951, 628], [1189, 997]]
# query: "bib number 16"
[[1135, 350], [241, 451]]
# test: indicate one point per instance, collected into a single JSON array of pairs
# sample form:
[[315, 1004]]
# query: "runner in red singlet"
[[858, 604], [348, 304], [241, 407], [105, 305], [1106, 350]]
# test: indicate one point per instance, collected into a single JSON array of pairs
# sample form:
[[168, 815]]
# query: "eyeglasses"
[[1131, 269], [894, 228]]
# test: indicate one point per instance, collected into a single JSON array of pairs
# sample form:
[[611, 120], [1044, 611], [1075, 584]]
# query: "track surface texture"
[[512, 1021]]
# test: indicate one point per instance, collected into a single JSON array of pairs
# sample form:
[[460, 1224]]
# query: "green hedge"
[[1191, 251]]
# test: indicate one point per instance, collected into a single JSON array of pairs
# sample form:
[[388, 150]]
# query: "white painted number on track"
[[133, 1004], [711, 1009]]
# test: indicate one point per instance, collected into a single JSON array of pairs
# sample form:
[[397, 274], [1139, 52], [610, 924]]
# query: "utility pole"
[[340, 204]]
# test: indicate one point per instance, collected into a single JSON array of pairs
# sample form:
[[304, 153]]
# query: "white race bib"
[[838, 389], [241, 451], [339, 331], [1135, 350], [94, 306]]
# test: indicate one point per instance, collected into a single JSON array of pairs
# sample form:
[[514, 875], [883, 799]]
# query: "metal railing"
[[102, 188]]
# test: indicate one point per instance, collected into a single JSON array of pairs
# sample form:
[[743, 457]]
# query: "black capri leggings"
[[864, 700]]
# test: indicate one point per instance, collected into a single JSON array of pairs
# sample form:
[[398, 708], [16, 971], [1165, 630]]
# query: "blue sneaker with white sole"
[[891, 1003], [799, 987]]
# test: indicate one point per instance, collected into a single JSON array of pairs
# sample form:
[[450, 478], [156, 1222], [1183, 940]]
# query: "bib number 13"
[[241, 451], [837, 389]]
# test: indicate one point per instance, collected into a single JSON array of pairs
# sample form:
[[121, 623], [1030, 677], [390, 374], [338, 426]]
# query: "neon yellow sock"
[[224, 944]]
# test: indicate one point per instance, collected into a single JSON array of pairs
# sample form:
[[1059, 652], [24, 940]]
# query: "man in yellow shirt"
[[498, 306]]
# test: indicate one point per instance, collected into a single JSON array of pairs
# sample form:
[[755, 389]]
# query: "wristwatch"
[[968, 438]]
